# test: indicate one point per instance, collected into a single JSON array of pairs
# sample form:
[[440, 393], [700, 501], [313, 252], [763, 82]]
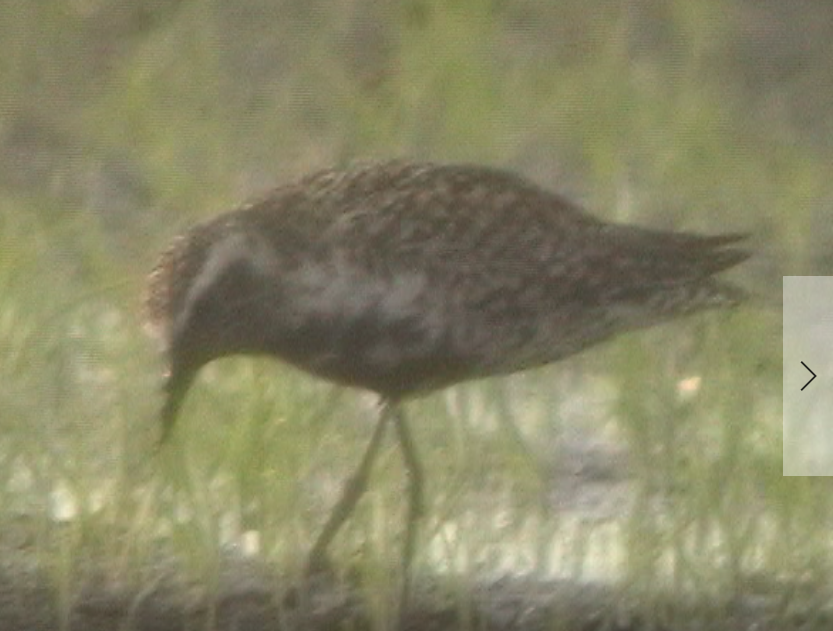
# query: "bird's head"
[[200, 303]]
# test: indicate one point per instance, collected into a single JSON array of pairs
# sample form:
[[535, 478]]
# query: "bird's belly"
[[390, 347], [387, 362], [396, 379]]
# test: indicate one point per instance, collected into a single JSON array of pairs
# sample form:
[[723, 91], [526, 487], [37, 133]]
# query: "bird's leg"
[[415, 503], [353, 491]]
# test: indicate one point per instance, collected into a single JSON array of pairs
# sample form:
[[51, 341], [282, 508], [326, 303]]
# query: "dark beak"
[[176, 387]]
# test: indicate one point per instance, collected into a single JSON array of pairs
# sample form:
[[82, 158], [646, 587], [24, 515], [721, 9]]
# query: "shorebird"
[[403, 278]]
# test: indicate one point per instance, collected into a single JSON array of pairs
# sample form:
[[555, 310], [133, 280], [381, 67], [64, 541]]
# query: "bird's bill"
[[176, 387]]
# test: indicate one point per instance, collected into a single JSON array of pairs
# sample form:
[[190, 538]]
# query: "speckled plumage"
[[403, 278]]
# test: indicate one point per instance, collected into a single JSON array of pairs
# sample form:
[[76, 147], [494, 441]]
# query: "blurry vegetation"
[[123, 122]]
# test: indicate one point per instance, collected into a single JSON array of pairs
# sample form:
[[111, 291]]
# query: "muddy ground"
[[249, 597]]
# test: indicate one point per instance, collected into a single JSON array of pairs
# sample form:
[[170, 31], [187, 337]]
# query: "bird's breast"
[[385, 332]]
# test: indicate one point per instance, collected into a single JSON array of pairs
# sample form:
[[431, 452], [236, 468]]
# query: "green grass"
[[208, 116]]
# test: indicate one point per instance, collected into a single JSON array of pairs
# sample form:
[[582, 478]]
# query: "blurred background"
[[652, 464]]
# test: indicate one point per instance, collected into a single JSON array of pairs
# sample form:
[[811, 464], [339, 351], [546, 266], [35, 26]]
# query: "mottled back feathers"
[[403, 277]]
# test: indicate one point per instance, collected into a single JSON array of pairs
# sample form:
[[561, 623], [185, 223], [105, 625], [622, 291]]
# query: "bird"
[[403, 278]]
